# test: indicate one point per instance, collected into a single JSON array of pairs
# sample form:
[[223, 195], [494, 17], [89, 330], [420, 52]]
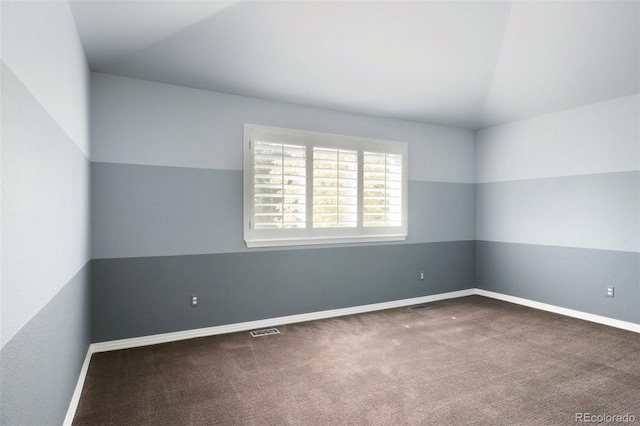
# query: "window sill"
[[313, 241]]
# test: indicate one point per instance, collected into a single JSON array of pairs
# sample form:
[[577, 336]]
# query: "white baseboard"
[[291, 319], [562, 311], [244, 326], [75, 399], [271, 322]]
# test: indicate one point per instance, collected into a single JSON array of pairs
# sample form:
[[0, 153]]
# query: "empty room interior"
[[428, 212]]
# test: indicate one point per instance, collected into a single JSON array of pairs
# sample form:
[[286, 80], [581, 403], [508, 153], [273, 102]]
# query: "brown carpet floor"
[[466, 361]]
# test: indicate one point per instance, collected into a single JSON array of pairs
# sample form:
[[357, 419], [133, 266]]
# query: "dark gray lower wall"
[[40, 366], [141, 296], [568, 277]]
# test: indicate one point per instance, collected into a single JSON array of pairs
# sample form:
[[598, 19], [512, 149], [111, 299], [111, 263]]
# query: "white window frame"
[[310, 235]]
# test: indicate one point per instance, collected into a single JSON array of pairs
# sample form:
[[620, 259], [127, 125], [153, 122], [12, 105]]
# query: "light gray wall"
[[141, 122], [558, 208], [40, 44], [41, 364], [45, 236], [167, 190], [162, 211], [597, 138], [599, 211]]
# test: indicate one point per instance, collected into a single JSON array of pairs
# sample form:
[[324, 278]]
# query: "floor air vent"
[[421, 307], [266, 332]]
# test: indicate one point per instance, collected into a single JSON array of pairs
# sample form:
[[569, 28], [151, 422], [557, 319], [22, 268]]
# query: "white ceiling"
[[464, 64]]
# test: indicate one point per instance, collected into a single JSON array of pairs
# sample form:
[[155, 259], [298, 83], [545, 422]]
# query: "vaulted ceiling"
[[464, 64]]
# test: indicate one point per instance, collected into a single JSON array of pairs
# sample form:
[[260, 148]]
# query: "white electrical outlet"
[[194, 300], [421, 275], [610, 291]]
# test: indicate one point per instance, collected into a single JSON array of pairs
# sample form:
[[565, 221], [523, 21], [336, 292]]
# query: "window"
[[310, 188]]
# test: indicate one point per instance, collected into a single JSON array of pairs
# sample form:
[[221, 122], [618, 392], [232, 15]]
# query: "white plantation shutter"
[[335, 188], [280, 184], [310, 188], [382, 189]]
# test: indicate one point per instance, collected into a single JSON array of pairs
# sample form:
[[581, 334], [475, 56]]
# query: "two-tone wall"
[[558, 209], [167, 215], [45, 212], [544, 209]]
